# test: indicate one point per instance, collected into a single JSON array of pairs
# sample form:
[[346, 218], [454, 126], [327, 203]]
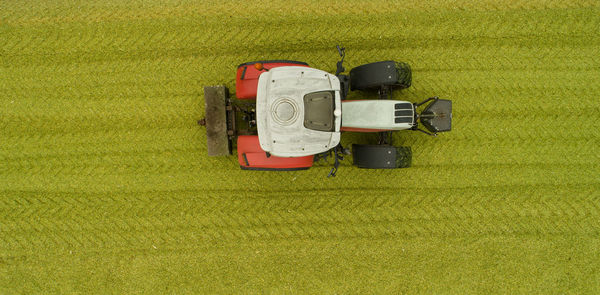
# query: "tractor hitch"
[[436, 117]]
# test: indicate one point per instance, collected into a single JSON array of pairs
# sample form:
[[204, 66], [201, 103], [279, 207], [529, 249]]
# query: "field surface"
[[105, 186]]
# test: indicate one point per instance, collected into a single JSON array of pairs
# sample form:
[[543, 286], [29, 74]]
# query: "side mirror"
[[340, 66], [340, 50]]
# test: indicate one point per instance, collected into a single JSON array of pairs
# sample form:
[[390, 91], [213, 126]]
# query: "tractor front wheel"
[[380, 74], [381, 156]]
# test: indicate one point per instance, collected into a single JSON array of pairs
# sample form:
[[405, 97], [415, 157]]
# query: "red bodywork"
[[252, 157], [246, 81]]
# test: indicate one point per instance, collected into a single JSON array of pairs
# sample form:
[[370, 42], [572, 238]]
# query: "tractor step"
[[217, 137]]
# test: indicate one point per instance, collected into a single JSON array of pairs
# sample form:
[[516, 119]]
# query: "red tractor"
[[288, 114]]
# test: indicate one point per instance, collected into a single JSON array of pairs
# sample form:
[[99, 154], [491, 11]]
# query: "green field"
[[105, 186]]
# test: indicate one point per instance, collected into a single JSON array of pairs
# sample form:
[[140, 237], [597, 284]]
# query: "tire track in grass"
[[64, 220]]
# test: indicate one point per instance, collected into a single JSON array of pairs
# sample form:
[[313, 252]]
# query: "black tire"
[[403, 156], [404, 75], [378, 74], [381, 156]]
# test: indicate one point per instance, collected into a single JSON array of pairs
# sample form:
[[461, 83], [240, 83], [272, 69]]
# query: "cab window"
[[318, 111]]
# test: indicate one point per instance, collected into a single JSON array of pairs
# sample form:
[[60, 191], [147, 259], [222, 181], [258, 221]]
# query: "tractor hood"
[[298, 111]]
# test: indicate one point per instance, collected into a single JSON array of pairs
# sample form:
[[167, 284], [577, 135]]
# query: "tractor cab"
[[298, 111]]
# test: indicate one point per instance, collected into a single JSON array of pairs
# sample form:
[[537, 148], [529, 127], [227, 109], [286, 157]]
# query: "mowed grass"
[[105, 186]]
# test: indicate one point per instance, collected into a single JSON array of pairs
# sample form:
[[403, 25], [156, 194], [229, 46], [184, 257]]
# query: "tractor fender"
[[252, 157]]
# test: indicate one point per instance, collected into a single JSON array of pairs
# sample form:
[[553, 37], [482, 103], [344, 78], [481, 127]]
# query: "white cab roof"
[[280, 111]]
